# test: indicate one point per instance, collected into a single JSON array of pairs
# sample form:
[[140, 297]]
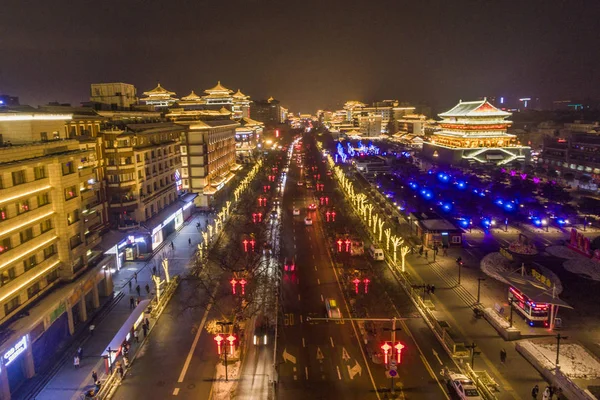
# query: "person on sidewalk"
[[432, 289], [172, 246], [147, 288], [76, 361], [120, 370], [135, 276], [154, 270], [535, 391], [94, 376], [80, 352], [145, 329], [546, 395], [129, 283], [92, 327], [136, 336], [503, 356], [427, 254], [131, 303], [138, 290], [190, 241]]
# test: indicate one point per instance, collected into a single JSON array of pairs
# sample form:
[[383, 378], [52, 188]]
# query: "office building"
[[269, 112], [113, 96]]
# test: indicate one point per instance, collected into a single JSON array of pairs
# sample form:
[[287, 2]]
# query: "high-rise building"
[[268, 111], [475, 132], [113, 96]]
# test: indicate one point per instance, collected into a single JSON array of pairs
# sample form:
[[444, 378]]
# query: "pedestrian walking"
[[426, 254], [546, 395], [420, 251], [503, 356], [92, 327], [147, 288], [190, 241], [97, 384], [145, 329], [131, 303], [76, 361], [559, 393], [136, 336], [120, 370], [80, 352], [94, 376], [135, 276], [147, 322], [129, 283], [138, 290], [154, 270], [172, 246], [432, 289], [535, 391], [126, 362]]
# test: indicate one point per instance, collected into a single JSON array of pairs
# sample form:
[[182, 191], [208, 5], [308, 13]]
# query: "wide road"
[[328, 360]]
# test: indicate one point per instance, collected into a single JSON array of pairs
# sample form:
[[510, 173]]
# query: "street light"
[[558, 338], [219, 339], [545, 223], [460, 263]]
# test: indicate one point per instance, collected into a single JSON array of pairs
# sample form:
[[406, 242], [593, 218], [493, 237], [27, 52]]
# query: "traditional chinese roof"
[[239, 95], [249, 121], [479, 108], [191, 97], [223, 110], [218, 89], [159, 90]]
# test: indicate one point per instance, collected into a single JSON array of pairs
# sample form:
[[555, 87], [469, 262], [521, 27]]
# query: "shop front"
[[17, 364], [170, 219]]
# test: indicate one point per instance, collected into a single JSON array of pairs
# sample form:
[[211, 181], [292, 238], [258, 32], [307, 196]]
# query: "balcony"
[[123, 184]]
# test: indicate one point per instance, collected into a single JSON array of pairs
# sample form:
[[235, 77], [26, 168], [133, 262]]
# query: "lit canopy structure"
[[475, 132], [159, 97]]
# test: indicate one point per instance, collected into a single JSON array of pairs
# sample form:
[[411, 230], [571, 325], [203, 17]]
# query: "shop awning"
[[135, 318], [535, 290]]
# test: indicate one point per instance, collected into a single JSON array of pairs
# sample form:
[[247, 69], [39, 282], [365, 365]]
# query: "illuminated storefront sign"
[[15, 351], [178, 182]]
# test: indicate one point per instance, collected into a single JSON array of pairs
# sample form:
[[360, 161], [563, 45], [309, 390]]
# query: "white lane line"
[[322, 298], [298, 296], [188, 360], [318, 281], [315, 267], [295, 377], [306, 372], [295, 246], [339, 374], [331, 340], [175, 391], [300, 318], [313, 256], [303, 343]]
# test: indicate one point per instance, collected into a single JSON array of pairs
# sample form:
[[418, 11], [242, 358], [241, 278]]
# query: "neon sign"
[[15, 351]]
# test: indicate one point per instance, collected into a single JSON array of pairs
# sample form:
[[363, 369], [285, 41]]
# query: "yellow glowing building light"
[[2, 233], [7, 199], [36, 117], [28, 252], [21, 286]]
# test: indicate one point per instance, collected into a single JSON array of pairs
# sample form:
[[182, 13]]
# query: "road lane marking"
[[313, 256], [318, 281], [357, 369], [298, 296], [288, 357], [301, 318], [345, 355], [306, 372], [435, 354], [320, 355], [188, 360], [315, 267], [295, 377], [322, 298], [175, 391], [331, 339], [339, 373], [303, 343]]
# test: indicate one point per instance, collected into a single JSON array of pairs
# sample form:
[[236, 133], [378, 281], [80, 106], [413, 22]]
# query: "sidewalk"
[[70, 382]]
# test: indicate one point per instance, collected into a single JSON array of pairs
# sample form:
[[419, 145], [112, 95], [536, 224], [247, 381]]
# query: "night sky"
[[309, 54]]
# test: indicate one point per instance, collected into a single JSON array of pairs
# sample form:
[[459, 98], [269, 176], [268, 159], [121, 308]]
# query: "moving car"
[[261, 331], [312, 206], [333, 311], [308, 221], [376, 253], [300, 183], [289, 265], [463, 386], [296, 211]]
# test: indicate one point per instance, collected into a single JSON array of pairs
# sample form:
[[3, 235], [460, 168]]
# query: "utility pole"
[[222, 324], [558, 338], [510, 303]]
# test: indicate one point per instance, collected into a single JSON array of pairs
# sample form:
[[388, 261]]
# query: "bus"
[[534, 313]]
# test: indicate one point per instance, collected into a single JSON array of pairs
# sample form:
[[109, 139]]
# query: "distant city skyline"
[[308, 55]]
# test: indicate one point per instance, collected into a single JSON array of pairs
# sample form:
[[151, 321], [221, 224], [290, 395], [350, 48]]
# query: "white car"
[[308, 221], [463, 386], [296, 211]]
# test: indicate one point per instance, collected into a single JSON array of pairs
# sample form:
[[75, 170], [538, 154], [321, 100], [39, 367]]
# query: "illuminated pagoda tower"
[[159, 97], [474, 132], [218, 96], [241, 105]]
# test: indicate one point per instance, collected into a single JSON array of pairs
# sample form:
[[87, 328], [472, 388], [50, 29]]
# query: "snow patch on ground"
[[563, 252], [584, 266], [499, 319], [575, 361], [222, 389]]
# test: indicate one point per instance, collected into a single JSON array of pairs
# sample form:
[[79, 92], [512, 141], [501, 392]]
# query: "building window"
[[49, 251], [46, 225], [73, 217], [18, 177], [26, 235], [70, 192], [75, 241], [5, 245], [1, 182], [52, 276], [68, 168], [33, 290], [23, 206], [12, 305], [39, 172], [3, 215], [43, 199], [29, 263], [7, 276]]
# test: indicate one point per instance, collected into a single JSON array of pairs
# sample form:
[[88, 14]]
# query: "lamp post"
[[510, 303], [479, 288], [545, 224], [222, 324], [584, 222], [558, 338]]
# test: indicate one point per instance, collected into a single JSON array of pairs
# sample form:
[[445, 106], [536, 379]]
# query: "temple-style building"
[[216, 99], [159, 97], [474, 132], [218, 96], [241, 105]]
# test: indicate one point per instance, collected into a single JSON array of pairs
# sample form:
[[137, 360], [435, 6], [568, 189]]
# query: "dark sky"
[[309, 54]]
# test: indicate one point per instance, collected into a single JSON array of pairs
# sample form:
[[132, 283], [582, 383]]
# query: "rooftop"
[[159, 90], [219, 89], [479, 108]]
